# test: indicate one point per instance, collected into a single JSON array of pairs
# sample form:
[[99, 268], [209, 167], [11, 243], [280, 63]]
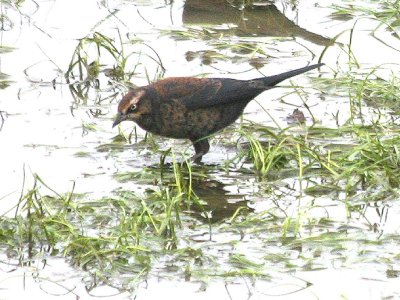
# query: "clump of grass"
[[117, 59], [386, 12], [373, 159], [266, 155], [382, 94], [87, 66], [112, 235], [5, 81], [94, 55], [361, 83], [98, 53], [221, 48], [191, 33]]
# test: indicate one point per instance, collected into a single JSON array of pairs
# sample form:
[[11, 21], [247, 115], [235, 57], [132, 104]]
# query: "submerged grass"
[[116, 235], [221, 48], [373, 158], [387, 12]]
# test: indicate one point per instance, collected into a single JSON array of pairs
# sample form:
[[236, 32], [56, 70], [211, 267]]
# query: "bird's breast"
[[173, 119]]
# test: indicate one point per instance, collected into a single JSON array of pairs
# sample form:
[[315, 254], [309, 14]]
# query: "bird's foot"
[[197, 158], [201, 147]]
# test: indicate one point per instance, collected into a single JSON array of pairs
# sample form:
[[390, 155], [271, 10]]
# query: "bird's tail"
[[270, 81]]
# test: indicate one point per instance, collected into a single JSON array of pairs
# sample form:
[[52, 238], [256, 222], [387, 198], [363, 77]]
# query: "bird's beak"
[[118, 119]]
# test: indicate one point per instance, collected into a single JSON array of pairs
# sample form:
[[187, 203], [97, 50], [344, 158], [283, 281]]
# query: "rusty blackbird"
[[194, 108]]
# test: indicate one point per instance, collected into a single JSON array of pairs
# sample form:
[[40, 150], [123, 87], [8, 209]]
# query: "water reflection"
[[220, 199], [265, 20], [220, 204]]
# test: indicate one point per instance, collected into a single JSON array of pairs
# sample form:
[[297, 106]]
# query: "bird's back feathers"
[[207, 92]]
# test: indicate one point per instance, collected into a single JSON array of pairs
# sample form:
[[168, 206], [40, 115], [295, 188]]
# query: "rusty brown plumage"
[[194, 108]]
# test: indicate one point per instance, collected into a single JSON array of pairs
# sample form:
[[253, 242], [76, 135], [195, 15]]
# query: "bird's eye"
[[132, 109]]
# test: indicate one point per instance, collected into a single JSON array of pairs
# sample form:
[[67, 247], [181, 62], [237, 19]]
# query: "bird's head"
[[132, 106]]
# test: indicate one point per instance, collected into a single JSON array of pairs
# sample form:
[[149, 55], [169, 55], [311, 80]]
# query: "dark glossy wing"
[[231, 90], [221, 91], [178, 87], [202, 92], [207, 92]]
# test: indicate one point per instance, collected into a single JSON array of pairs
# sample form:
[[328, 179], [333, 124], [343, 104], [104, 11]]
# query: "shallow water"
[[68, 141]]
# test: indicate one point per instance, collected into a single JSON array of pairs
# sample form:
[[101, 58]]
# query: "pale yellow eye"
[[132, 109]]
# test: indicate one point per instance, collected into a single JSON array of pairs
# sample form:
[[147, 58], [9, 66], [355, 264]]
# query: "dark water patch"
[[248, 20]]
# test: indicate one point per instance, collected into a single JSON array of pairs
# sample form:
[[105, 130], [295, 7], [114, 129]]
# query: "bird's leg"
[[201, 147]]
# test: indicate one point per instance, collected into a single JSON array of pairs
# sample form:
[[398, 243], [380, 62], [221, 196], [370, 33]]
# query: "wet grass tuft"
[[113, 235], [373, 158], [386, 12], [99, 59]]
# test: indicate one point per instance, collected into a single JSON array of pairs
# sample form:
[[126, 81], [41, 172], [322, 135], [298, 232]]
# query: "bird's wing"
[[193, 92], [221, 91], [205, 92], [180, 87]]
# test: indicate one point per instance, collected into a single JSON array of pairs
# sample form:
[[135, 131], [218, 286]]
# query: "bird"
[[194, 108]]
